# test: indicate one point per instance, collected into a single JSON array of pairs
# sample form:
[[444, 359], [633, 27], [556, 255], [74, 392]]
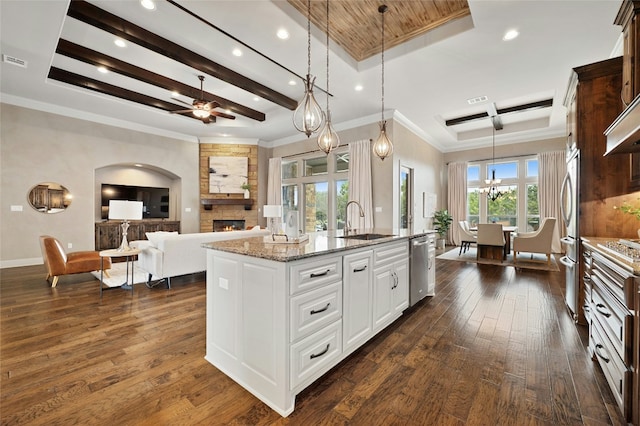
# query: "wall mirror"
[[49, 197]]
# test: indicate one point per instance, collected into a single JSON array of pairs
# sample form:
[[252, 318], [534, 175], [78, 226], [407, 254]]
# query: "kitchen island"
[[279, 316]]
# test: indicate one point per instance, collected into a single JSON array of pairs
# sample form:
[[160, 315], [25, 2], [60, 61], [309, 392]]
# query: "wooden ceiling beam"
[[546, 103], [89, 56], [111, 90], [126, 30]]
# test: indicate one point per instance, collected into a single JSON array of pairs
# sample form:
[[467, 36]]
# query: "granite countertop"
[[600, 244], [319, 243]]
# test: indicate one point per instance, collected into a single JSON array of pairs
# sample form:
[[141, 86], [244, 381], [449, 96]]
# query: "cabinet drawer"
[[617, 375], [617, 280], [315, 354], [616, 321], [390, 253], [315, 309], [308, 275]]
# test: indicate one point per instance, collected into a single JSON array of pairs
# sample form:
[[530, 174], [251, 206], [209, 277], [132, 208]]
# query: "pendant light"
[[383, 147], [492, 184], [308, 116], [328, 139]]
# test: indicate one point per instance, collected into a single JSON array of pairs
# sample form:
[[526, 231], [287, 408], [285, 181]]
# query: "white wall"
[[41, 147]]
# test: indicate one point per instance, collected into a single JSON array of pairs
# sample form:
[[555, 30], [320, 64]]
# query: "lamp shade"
[[272, 210], [125, 210]]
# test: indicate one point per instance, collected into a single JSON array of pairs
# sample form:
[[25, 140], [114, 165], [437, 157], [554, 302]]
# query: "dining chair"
[[490, 241], [536, 242], [466, 236]]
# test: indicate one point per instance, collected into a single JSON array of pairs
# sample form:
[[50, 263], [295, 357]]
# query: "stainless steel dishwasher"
[[422, 268]]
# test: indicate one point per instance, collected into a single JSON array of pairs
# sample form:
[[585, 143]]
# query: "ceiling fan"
[[201, 108]]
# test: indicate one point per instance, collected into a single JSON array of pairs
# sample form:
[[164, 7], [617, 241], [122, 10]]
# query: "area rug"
[[525, 260], [117, 275]]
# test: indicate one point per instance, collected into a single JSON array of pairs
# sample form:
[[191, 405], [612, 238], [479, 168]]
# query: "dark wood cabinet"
[[627, 18], [108, 234]]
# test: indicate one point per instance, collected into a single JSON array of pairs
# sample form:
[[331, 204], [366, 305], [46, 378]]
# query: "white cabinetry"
[[357, 299], [274, 327], [390, 283]]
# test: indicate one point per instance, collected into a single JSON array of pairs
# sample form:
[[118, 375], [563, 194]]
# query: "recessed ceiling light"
[[256, 98], [237, 52], [292, 83], [119, 42], [148, 4], [510, 35], [175, 94], [138, 165], [358, 88], [102, 69], [282, 34]]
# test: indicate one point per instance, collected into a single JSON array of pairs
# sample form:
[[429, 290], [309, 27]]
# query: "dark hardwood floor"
[[495, 346]]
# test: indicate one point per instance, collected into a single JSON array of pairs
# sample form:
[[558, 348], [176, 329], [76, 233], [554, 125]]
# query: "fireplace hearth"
[[224, 225]]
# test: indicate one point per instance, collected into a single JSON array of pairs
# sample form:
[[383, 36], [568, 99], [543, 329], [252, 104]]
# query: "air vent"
[[477, 100], [14, 61]]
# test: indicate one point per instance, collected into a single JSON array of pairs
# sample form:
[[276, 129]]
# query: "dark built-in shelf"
[[208, 203]]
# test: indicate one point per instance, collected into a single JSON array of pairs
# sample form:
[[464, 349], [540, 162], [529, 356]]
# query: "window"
[[518, 205], [323, 185]]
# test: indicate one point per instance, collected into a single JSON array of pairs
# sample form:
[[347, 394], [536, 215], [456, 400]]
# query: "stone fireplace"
[[222, 225]]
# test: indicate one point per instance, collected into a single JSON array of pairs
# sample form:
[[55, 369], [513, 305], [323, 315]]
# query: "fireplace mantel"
[[208, 203]]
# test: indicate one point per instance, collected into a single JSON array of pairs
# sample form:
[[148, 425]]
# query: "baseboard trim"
[[21, 262]]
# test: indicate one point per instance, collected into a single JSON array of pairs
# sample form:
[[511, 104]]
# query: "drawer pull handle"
[[360, 269], [598, 348], [313, 311], [599, 307], [312, 356], [320, 274]]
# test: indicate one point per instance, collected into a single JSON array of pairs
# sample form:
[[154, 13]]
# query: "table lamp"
[[125, 211], [272, 211]]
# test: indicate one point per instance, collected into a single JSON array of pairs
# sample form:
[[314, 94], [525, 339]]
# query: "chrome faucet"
[[346, 212]]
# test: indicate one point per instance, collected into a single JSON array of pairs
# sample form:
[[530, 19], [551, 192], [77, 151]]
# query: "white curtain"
[[457, 198], [360, 184], [274, 184], [552, 167]]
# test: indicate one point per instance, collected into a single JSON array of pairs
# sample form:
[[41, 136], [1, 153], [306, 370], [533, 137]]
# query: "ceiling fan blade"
[[213, 104], [223, 115], [181, 101], [181, 111]]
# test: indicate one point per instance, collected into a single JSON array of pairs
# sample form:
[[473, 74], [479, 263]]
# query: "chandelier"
[[328, 139], [308, 116], [492, 191], [383, 147]]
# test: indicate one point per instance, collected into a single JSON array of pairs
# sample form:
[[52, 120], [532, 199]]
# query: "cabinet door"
[[357, 299], [401, 289], [384, 280]]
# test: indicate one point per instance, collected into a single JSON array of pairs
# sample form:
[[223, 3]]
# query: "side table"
[[129, 256]]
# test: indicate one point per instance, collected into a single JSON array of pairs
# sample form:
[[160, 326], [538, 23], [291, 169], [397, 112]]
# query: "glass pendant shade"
[[383, 147], [328, 139], [308, 116]]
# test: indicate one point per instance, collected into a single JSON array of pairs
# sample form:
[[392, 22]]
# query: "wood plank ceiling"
[[355, 25]]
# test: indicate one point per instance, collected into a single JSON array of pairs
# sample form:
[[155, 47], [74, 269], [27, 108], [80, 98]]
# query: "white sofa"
[[169, 254]]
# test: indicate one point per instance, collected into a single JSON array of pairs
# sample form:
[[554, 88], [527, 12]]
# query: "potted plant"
[[442, 221], [246, 188]]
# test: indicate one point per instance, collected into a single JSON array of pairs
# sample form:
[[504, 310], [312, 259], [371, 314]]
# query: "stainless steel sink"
[[365, 236]]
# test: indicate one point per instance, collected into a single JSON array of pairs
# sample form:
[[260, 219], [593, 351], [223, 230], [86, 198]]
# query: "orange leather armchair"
[[60, 263]]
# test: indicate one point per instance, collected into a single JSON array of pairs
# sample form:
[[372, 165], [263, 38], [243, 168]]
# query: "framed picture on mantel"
[[227, 174]]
